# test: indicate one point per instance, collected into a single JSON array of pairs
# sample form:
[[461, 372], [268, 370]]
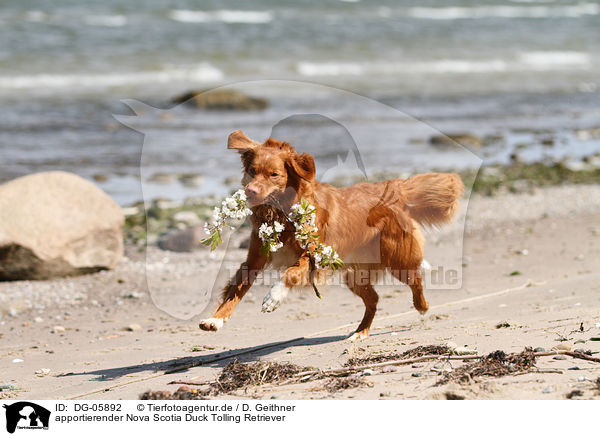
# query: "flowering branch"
[[234, 207], [302, 215]]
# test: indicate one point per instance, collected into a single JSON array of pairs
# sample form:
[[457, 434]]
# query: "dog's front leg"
[[238, 286], [297, 275]]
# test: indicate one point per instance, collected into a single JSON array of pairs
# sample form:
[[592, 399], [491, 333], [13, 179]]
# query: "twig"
[[191, 383]]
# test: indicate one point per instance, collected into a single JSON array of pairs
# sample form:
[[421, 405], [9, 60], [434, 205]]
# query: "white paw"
[[275, 297], [211, 324], [357, 336]]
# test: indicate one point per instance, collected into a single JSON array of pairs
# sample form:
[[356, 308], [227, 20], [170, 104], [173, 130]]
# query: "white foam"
[[504, 11], [36, 16], [551, 60], [199, 73], [528, 61], [105, 20], [441, 66], [226, 16]]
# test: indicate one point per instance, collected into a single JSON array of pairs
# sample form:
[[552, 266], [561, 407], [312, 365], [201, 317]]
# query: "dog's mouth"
[[256, 200]]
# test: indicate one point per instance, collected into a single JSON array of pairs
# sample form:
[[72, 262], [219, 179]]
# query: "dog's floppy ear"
[[239, 141], [303, 165]]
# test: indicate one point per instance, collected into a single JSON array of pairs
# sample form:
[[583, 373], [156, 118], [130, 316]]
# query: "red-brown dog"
[[374, 227]]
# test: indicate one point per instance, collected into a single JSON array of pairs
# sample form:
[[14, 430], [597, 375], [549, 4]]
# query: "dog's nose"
[[251, 191]]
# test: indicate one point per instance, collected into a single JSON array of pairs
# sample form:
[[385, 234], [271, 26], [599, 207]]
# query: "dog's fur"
[[373, 226]]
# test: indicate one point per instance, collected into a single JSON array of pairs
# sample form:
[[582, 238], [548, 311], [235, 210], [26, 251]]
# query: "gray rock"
[[186, 217], [57, 224], [539, 350], [221, 99], [183, 240], [548, 390], [560, 357], [464, 139], [417, 374]]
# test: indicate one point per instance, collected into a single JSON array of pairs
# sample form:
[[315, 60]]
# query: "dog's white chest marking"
[[274, 297]]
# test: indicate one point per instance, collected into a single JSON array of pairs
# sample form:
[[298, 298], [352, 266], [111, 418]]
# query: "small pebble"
[[417, 374], [451, 345], [132, 328], [463, 351], [581, 378], [560, 357], [17, 360], [582, 351], [389, 368], [384, 394], [539, 350], [574, 368], [562, 346], [597, 325], [580, 341], [184, 389], [38, 319], [367, 372], [43, 371], [547, 390], [417, 365], [58, 329]]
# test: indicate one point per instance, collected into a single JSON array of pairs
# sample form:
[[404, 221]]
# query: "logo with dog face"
[[26, 415]]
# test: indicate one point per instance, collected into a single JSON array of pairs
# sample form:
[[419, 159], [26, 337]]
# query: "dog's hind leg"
[[370, 298], [414, 280]]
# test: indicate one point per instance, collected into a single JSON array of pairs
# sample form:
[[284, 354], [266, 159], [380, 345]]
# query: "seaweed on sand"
[[421, 350], [496, 364], [238, 375]]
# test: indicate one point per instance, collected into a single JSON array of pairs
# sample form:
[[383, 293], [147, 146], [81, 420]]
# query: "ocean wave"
[[504, 11], [105, 20], [198, 73], [357, 69], [225, 16], [36, 16], [549, 60], [529, 61]]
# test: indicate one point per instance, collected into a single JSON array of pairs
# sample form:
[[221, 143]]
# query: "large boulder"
[[57, 224]]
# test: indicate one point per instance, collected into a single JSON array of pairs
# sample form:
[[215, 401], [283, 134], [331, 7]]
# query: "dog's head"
[[273, 171]]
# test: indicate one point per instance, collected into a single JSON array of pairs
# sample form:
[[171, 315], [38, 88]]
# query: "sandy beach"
[[530, 279]]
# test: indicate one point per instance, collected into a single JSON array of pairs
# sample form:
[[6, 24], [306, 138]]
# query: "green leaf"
[[213, 240], [265, 249]]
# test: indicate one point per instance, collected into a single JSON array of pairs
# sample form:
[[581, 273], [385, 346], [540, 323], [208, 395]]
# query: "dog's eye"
[[251, 171], [274, 174]]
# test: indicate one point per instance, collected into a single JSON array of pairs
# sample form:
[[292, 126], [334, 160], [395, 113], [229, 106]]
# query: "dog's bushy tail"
[[432, 198]]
